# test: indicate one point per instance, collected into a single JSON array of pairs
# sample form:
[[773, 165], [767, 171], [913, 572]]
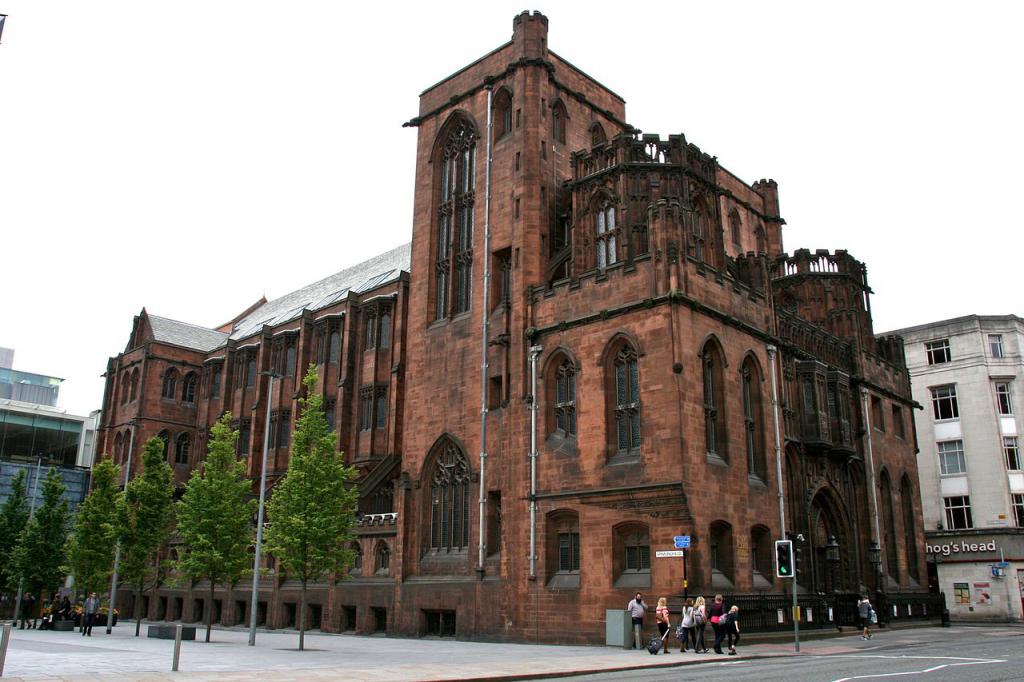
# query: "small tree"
[[42, 545], [215, 516], [144, 522], [313, 508], [91, 550], [13, 517]]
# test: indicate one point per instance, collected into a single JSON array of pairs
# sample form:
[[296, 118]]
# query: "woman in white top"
[[687, 626]]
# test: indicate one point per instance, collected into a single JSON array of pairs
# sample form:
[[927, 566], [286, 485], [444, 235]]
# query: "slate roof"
[[185, 334], [369, 274], [365, 276]]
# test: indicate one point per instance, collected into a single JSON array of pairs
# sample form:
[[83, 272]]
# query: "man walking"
[[89, 611], [637, 609], [28, 611], [866, 613]]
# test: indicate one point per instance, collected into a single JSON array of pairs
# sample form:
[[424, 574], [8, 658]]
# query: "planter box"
[[64, 625], [167, 632]]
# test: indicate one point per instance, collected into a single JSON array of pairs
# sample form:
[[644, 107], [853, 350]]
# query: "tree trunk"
[[302, 617], [209, 612], [138, 608]]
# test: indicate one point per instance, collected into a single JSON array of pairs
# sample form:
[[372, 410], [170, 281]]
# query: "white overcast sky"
[[191, 156]]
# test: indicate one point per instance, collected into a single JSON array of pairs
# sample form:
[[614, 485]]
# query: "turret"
[[530, 34]]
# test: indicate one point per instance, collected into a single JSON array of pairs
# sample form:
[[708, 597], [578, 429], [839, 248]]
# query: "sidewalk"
[[35, 655]]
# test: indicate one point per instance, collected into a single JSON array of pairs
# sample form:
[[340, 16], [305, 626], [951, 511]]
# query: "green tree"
[[92, 545], [13, 517], [144, 523], [215, 516], [42, 546], [313, 508]]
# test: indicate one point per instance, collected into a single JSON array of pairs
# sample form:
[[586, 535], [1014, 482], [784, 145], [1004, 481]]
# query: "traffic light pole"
[[796, 617]]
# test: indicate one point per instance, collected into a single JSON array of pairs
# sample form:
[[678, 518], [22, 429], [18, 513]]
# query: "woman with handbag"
[[685, 630], [717, 611], [700, 620]]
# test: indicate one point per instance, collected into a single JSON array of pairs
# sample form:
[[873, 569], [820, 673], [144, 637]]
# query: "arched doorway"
[[828, 520]]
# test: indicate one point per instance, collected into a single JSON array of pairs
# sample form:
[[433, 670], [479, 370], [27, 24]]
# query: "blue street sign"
[[682, 541]]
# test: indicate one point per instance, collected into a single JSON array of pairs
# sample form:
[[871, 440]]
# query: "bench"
[[64, 626], [167, 632]]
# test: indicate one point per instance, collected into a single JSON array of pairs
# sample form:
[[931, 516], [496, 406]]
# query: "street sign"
[[661, 554], [682, 541], [1002, 564]]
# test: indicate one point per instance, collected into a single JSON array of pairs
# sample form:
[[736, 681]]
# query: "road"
[[964, 654]]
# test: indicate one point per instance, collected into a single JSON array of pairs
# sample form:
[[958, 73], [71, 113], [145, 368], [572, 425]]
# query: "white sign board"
[[669, 553]]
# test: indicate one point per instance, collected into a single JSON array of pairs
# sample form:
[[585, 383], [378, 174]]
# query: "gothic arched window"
[[597, 135], [736, 227], [382, 559], [449, 500], [605, 235], [565, 398], [909, 527], [188, 388], [135, 383], [502, 113], [625, 382], [722, 557], [888, 525], [559, 122], [125, 387], [453, 265], [334, 347], [714, 389], [762, 244], [698, 233], [166, 438], [182, 449], [118, 448], [170, 384], [752, 419]]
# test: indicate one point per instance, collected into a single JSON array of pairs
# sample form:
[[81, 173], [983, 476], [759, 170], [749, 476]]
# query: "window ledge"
[[634, 579], [755, 481], [564, 581], [621, 459], [716, 459]]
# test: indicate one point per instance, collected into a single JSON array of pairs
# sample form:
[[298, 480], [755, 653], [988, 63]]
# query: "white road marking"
[[961, 661], [733, 662]]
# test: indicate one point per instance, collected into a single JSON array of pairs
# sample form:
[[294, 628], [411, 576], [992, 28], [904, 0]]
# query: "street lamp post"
[[117, 550], [254, 600], [875, 557], [832, 555]]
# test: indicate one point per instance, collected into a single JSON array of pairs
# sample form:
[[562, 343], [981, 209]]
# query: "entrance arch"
[[829, 518]]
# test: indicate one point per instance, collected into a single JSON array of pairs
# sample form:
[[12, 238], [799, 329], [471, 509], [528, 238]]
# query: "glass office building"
[[27, 436]]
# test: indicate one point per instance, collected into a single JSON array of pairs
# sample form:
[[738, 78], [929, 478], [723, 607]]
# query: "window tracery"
[[453, 264], [449, 500]]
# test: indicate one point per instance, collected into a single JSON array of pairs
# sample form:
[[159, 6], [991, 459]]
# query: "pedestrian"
[[867, 615], [51, 616], [637, 609], [89, 611], [700, 621], [65, 608], [686, 627], [28, 609], [730, 622], [662, 617], [717, 611]]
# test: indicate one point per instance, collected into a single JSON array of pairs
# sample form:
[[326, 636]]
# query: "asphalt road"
[[964, 654]]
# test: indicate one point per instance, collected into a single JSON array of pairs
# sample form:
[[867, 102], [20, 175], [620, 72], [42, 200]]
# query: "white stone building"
[[968, 375]]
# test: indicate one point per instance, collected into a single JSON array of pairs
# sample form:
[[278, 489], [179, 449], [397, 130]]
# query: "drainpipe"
[[485, 314], [534, 352], [778, 445], [871, 472]]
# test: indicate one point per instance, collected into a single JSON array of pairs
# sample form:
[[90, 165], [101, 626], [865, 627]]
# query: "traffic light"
[[784, 559]]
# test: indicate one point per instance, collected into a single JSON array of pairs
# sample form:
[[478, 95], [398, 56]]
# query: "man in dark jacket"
[[89, 611], [28, 611]]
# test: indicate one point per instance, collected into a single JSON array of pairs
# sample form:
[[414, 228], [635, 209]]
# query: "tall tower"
[[541, 109]]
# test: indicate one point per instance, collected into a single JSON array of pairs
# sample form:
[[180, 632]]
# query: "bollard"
[[177, 647], [4, 640]]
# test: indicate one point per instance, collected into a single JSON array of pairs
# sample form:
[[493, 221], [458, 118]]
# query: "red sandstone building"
[[664, 315]]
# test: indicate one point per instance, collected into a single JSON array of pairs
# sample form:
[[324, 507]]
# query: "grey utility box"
[[618, 628]]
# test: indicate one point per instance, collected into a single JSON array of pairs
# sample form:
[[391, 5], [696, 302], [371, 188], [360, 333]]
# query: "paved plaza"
[[36, 655]]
